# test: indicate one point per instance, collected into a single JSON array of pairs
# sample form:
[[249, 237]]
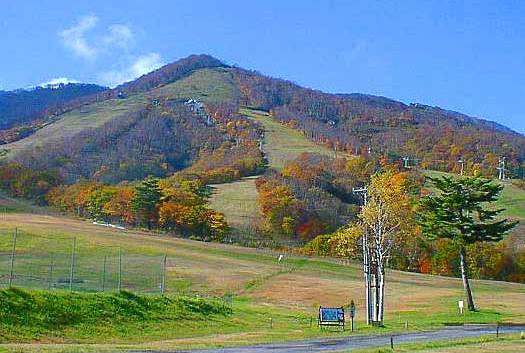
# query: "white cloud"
[[58, 80], [119, 36], [75, 38], [146, 63], [113, 44], [81, 40], [136, 67]]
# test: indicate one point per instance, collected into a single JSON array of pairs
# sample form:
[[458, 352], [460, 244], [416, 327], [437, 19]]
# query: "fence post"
[[163, 281], [50, 284], [104, 273], [119, 269], [12, 266], [72, 269]]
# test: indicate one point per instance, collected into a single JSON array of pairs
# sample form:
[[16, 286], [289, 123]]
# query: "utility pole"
[[363, 192], [501, 168], [462, 163]]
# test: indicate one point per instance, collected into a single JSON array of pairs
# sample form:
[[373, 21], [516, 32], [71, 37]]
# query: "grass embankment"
[[271, 302], [58, 316]]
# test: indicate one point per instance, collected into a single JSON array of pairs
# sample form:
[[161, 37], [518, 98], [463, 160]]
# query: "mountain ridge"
[[357, 123], [151, 80]]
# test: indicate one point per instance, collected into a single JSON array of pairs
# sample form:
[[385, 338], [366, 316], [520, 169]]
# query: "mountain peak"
[[170, 73]]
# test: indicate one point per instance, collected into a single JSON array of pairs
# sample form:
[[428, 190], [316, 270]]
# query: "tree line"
[[432, 137]]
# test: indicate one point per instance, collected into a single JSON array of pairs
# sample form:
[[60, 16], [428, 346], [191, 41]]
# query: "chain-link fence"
[[49, 262]]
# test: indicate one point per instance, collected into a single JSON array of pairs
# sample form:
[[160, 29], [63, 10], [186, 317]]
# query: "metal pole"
[[72, 269], [163, 282], [366, 259], [51, 265], [13, 251], [119, 269], [104, 273], [367, 275]]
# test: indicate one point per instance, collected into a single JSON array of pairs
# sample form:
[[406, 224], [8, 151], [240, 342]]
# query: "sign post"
[[352, 314], [461, 305]]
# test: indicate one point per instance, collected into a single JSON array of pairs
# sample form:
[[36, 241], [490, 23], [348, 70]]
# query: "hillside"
[[22, 106], [156, 133], [346, 123], [208, 85], [146, 127], [281, 144], [260, 288], [364, 124], [24, 111]]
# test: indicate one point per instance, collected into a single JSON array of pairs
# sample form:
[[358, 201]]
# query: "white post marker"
[[461, 305]]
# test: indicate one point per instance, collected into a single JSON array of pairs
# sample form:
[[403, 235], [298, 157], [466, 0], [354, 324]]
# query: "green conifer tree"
[[144, 202], [458, 211]]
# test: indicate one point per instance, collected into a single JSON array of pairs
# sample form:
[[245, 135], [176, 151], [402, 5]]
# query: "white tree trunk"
[[464, 276], [381, 306], [366, 272]]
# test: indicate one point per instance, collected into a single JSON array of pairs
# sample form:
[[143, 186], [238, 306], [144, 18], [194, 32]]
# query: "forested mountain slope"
[[21, 106], [78, 141], [363, 124], [22, 111]]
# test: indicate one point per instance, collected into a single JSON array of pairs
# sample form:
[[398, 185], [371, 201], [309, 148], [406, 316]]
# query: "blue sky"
[[462, 55]]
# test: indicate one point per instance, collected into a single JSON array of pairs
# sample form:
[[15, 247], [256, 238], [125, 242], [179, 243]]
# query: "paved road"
[[359, 342]]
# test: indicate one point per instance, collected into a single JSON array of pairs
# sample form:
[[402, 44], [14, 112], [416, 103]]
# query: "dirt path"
[[360, 342]]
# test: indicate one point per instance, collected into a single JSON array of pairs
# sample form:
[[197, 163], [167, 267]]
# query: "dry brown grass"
[[301, 284]]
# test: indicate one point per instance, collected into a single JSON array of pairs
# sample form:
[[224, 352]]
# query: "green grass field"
[[238, 201], [28, 315], [270, 301]]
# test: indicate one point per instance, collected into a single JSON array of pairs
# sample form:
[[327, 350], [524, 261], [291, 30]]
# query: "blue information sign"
[[332, 314]]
